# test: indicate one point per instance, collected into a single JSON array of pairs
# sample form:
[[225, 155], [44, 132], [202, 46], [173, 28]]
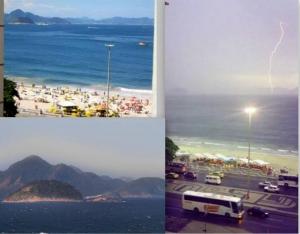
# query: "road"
[[241, 181], [283, 208]]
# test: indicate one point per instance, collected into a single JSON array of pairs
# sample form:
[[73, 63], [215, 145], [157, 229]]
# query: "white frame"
[[158, 60]]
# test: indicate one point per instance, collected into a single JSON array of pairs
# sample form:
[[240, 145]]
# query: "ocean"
[[76, 55], [221, 122], [133, 216]]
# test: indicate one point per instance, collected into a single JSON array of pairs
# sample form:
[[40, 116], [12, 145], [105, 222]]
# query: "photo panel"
[[80, 59], [232, 116], [76, 176]]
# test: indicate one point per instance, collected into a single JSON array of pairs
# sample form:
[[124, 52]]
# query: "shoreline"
[[51, 100], [94, 87], [235, 146], [42, 201]]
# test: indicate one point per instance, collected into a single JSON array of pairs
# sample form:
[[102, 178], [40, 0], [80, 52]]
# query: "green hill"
[[45, 190]]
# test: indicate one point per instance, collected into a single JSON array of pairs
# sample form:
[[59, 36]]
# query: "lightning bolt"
[[274, 51]]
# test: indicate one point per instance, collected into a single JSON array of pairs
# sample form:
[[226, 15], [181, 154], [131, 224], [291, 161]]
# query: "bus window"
[[234, 208]]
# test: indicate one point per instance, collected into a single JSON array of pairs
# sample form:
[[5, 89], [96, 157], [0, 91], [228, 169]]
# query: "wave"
[[265, 149], [141, 91], [56, 83], [242, 147], [213, 143], [195, 143], [283, 150]]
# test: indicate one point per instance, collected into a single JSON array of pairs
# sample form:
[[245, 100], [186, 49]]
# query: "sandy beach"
[[70, 101], [277, 161]]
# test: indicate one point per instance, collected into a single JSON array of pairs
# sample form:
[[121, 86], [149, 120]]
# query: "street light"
[[109, 47], [250, 111]]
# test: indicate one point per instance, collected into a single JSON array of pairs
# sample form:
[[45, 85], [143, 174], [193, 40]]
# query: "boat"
[[141, 43]]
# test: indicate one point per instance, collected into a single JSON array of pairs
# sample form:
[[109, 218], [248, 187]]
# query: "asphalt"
[[283, 218], [241, 181]]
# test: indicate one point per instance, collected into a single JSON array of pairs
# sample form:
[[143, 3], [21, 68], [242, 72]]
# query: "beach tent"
[[260, 162], [182, 154], [223, 157], [199, 155], [243, 160], [210, 156]]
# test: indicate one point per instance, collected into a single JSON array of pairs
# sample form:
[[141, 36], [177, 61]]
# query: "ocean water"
[[76, 54], [220, 121], [134, 216]]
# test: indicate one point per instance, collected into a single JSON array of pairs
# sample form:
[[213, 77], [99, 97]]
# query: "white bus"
[[287, 180], [213, 203]]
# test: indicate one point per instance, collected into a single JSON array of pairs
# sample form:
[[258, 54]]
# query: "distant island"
[[27, 179], [45, 191], [20, 17]]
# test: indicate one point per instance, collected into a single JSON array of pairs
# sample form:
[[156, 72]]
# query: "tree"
[[10, 91], [171, 149]]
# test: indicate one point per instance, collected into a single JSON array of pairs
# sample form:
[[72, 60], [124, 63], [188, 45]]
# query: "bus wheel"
[[227, 215], [196, 210]]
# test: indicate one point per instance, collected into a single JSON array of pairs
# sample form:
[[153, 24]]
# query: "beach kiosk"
[[68, 108]]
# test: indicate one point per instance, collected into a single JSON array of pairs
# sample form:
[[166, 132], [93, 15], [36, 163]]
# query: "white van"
[[212, 179]]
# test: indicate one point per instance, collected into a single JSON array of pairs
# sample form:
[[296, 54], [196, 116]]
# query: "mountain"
[[34, 168], [126, 21], [20, 17], [143, 187], [45, 190]]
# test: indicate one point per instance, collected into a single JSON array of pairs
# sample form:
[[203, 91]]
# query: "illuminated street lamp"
[[109, 47], [250, 111]]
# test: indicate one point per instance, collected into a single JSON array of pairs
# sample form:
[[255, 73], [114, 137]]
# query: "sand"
[[49, 101]]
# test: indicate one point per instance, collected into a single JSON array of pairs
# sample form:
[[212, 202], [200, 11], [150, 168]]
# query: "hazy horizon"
[[131, 148], [94, 9], [224, 47]]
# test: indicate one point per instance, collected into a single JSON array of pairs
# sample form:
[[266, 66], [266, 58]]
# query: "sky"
[[118, 148], [96, 9], [223, 46]]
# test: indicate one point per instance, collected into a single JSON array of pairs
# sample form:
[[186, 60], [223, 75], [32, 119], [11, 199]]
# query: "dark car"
[[190, 175], [258, 212], [172, 175]]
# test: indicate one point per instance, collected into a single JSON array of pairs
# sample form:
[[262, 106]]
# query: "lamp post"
[[109, 47], [250, 111]]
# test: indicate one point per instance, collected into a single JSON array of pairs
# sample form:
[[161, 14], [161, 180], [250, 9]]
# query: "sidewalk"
[[199, 227]]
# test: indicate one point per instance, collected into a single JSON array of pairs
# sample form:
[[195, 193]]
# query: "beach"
[[71, 101], [277, 160], [64, 67]]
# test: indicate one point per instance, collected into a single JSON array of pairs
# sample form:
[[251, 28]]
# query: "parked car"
[[217, 173], [190, 175], [212, 179], [172, 175], [258, 212], [179, 168], [264, 183], [271, 189]]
